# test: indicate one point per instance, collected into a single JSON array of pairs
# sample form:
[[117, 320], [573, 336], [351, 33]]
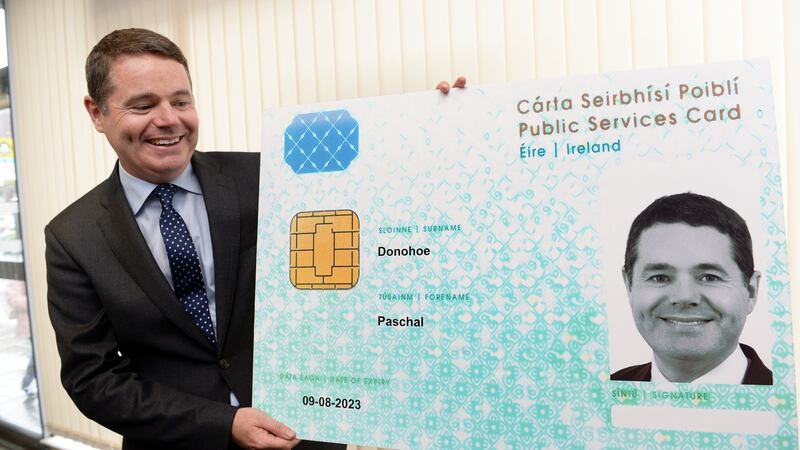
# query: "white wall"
[[248, 55]]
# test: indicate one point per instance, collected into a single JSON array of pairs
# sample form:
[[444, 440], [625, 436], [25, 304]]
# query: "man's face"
[[150, 119], [688, 297]]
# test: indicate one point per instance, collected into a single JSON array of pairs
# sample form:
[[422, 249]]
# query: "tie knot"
[[165, 192]]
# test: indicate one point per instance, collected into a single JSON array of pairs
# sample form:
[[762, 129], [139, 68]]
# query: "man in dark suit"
[[151, 274], [691, 284]]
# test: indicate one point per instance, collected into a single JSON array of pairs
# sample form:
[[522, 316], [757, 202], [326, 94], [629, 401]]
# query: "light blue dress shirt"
[[188, 202]]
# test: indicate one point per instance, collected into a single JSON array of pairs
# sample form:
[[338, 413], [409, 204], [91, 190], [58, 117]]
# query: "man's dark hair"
[[695, 210], [130, 41]]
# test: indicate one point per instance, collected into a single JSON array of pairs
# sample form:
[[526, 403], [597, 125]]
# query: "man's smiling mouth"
[[165, 141], [685, 321]]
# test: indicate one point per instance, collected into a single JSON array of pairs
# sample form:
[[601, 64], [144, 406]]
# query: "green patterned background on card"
[[524, 361]]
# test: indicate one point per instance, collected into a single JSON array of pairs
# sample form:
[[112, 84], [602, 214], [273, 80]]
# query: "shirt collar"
[[137, 191], [730, 371]]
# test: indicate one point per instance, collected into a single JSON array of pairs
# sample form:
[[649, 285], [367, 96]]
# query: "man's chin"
[[689, 350], [687, 356], [171, 163]]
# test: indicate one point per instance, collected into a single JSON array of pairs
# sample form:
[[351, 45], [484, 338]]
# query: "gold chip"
[[324, 250]]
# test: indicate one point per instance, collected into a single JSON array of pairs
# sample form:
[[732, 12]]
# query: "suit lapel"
[[125, 239], [222, 206]]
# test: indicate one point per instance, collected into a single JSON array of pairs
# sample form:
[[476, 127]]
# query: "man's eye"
[[141, 107], [181, 104], [658, 278], [709, 277]]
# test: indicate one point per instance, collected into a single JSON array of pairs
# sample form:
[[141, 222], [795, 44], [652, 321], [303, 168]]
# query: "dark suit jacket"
[[756, 373], [132, 359]]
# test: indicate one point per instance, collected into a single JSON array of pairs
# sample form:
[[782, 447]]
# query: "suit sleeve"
[[104, 384]]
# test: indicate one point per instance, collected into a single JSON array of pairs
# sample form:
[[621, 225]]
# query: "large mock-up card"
[[450, 272]]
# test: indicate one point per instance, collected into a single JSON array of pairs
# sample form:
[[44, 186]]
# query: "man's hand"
[[252, 429], [444, 86]]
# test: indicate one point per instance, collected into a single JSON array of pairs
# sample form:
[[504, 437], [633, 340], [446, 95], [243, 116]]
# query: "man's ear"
[[752, 291], [95, 113]]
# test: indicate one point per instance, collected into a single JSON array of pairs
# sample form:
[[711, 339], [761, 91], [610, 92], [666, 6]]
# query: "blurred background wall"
[[249, 55]]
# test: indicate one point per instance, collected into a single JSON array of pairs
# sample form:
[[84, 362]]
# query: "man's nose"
[[685, 291], [165, 116]]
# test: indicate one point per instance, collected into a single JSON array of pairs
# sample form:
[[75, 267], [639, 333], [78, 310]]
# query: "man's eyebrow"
[[711, 266], [657, 266], [151, 95]]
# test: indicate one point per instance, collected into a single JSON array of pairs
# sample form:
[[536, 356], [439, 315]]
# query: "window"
[[19, 393]]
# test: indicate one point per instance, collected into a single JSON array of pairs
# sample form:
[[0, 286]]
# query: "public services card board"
[[446, 271]]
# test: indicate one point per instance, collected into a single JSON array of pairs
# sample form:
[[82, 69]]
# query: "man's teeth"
[[686, 322], [164, 141]]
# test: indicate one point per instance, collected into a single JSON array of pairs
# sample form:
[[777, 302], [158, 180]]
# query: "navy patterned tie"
[[187, 276]]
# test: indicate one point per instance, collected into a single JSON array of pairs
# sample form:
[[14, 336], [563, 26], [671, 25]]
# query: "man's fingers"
[[278, 428], [266, 440], [444, 86], [272, 441], [253, 429]]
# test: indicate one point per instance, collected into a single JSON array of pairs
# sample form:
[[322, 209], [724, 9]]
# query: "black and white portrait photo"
[[685, 284], [691, 285]]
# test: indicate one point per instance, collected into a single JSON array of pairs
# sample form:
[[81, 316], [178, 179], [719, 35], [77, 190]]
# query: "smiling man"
[[691, 284], [151, 274]]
